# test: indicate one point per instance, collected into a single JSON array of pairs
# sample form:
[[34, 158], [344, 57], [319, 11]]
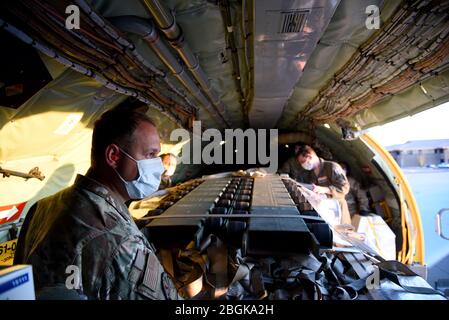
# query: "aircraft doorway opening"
[[419, 145]]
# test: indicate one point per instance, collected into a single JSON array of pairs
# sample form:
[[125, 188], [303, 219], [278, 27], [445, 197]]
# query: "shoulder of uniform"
[[335, 167], [328, 163], [56, 196], [88, 212]]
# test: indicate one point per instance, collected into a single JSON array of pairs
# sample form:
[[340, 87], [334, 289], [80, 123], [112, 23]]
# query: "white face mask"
[[150, 171], [308, 165], [311, 163]]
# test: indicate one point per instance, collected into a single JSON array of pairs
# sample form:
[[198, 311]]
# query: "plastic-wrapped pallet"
[[378, 234]]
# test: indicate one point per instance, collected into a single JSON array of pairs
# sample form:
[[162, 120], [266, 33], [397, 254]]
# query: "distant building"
[[420, 153]]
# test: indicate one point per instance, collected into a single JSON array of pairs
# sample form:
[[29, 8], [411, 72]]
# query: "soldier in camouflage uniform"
[[326, 177], [356, 198], [86, 231], [292, 168]]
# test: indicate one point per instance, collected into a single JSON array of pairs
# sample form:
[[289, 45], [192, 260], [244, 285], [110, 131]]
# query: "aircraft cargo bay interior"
[[217, 149]]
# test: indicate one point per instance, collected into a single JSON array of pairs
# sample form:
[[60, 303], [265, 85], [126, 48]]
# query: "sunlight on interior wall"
[[58, 143]]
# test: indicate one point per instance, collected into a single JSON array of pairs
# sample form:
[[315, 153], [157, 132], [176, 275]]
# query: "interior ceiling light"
[[423, 89]]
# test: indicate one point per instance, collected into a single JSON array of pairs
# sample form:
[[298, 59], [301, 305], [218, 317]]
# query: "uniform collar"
[[101, 190], [321, 163], [321, 169]]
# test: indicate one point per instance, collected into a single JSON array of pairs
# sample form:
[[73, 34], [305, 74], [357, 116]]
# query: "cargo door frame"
[[415, 252]]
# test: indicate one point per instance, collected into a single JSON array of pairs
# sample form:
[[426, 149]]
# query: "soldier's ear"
[[112, 155]]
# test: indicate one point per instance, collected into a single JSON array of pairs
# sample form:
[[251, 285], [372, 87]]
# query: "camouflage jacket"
[[86, 232], [292, 168], [356, 197], [331, 175]]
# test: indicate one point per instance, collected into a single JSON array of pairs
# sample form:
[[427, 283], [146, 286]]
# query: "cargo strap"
[[218, 272], [394, 271], [398, 273], [186, 270]]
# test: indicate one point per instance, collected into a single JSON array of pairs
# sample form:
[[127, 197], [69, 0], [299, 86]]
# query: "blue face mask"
[[150, 171]]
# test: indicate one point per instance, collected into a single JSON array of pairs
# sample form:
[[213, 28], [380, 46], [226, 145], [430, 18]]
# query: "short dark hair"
[[115, 126], [304, 150]]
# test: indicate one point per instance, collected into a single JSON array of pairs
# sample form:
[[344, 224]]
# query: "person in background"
[[326, 177], [356, 198], [169, 161], [292, 167]]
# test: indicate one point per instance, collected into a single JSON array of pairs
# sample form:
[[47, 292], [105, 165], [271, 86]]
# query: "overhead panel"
[[286, 33]]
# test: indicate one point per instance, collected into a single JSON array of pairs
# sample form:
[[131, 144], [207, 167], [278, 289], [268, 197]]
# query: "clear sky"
[[429, 124]]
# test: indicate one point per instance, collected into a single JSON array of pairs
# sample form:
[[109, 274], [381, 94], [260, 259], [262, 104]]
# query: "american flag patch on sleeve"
[[152, 273]]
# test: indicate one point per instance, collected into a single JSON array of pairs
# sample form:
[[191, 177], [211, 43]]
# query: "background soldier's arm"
[[286, 168], [362, 199], [339, 184]]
